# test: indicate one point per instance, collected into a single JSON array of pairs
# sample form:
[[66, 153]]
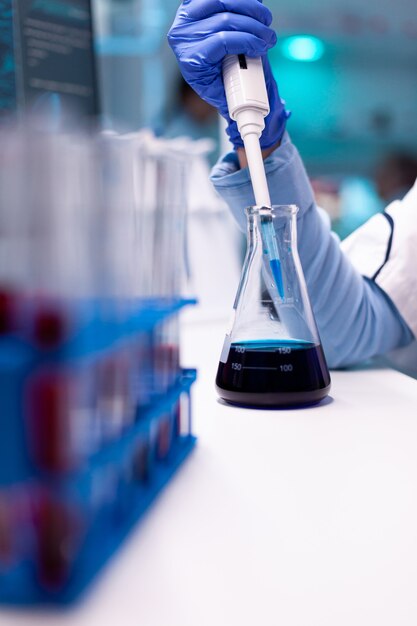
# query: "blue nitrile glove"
[[204, 31]]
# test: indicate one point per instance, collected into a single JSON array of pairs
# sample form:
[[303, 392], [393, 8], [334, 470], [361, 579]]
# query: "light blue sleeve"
[[355, 318]]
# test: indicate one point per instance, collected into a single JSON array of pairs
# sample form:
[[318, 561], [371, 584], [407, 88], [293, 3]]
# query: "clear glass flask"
[[273, 354]]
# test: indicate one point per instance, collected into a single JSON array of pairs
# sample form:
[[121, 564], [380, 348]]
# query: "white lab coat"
[[385, 249]]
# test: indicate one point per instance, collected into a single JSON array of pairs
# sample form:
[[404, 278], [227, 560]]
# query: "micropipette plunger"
[[247, 99]]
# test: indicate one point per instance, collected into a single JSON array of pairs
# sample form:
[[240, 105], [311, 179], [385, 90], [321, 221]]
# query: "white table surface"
[[290, 518]]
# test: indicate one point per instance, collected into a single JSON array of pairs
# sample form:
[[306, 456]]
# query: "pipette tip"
[[277, 274]]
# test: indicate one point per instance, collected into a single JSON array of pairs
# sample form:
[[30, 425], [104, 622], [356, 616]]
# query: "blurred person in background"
[[193, 117], [363, 293], [395, 175]]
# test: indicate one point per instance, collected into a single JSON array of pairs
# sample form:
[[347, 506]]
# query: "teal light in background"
[[302, 48]]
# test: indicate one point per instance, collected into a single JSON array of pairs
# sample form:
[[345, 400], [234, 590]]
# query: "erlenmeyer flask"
[[273, 355]]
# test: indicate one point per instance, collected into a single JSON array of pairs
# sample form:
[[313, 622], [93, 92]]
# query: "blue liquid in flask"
[[273, 373]]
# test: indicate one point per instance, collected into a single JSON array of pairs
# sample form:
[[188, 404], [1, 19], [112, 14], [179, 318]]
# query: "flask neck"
[[280, 220]]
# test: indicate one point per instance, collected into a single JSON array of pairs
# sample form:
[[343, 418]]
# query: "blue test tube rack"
[[62, 519]]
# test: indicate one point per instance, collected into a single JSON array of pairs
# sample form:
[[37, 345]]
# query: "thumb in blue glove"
[[204, 32]]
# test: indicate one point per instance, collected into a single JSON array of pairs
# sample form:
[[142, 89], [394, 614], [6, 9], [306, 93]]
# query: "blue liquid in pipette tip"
[[277, 274], [271, 250]]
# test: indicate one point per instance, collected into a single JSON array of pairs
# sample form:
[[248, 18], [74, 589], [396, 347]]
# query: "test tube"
[[116, 404], [115, 408], [58, 534], [167, 355], [44, 242], [48, 408], [164, 437], [180, 159], [16, 524], [143, 223], [58, 204], [14, 261], [6, 525], [142, 460], [117, 219]]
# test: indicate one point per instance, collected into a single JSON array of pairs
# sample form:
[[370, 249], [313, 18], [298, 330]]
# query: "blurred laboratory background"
[[347, 72]]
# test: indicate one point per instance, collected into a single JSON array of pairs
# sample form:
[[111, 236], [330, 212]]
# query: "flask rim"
[[282, 210]]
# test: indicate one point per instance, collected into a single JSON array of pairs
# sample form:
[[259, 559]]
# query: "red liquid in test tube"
[[48, 401], [164, 439], [50, 326], [58, 535], [114, 405], [166, 365], [6, 542], [177, 419], [141, 466], [8, 311]]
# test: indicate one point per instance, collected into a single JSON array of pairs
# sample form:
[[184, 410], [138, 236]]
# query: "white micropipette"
[[248, 104]]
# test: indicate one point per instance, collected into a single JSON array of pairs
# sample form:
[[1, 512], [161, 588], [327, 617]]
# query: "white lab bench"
[[290, 518]]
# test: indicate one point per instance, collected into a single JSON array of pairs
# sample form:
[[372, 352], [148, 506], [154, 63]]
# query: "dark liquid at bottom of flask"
[[273, 373]]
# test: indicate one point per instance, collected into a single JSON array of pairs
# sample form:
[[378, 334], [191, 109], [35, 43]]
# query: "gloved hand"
[[204, 31]]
